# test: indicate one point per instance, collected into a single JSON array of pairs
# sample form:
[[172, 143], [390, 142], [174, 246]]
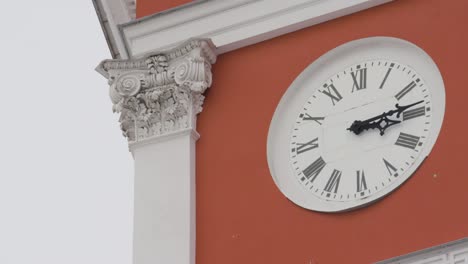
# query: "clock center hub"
[[339, 143]]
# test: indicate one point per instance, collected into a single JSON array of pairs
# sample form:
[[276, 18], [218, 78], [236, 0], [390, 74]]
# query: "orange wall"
[[148, 7], [243, 218], [241, 215]]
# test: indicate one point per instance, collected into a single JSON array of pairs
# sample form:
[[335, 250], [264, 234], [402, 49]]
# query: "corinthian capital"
[[162, 92]]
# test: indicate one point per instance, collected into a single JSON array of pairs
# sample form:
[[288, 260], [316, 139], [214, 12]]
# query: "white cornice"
[[131, 8], [232, 24], [455, 252], [111, 14]]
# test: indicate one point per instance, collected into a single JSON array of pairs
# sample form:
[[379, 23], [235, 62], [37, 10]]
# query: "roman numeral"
[[405, 90], [307, 146], [407, 141], [331, 92], [359, 79], [391, 169], [386, 75], [361, 181], [333, 182], [314, 169], [420, 111], [307, 117]]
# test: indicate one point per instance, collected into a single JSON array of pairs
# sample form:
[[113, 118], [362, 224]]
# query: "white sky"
[[65, 170]]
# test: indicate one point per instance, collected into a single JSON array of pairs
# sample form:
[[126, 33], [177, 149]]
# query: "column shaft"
[[164, 212]]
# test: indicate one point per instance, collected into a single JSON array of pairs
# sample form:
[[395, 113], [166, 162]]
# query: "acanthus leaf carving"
[[194, 73], [160, 93]]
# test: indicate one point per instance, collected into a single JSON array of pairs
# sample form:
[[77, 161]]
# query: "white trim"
[[166, 137], [233, 24], [164, 201], [113, 13], [455, 252]]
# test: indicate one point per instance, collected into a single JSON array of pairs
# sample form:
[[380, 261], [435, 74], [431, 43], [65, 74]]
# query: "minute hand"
[[380, 122]]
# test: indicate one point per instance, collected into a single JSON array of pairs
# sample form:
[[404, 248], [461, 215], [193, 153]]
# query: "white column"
[[158, 97], [164, 229]]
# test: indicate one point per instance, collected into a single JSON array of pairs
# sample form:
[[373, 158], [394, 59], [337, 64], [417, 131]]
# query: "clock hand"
[[380, 122]]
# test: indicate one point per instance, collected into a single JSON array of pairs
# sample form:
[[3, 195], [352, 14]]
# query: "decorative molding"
[[162, 92], [232, 24], [455, 252], [131, 8], [112, 13], [166, 137]]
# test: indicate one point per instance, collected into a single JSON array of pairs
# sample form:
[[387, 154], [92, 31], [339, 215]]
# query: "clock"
[[356, 124]]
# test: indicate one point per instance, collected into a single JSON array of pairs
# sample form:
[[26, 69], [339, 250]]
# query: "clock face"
[[356, 124], [332, 162]]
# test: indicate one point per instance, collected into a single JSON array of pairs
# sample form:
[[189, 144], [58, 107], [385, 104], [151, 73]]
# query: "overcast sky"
[[65, 170]]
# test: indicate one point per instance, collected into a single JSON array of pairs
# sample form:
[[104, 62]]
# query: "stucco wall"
[[243, 218], [148, 7]]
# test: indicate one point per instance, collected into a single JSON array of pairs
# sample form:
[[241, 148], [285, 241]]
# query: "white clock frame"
[[375, 48]]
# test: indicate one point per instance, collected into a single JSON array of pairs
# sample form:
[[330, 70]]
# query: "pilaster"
[[158, 98]]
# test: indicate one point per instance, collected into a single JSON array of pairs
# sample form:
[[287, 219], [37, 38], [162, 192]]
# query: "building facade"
[[197, 85]]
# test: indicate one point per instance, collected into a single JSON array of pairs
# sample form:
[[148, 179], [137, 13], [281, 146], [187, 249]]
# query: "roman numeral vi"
[[361, 181]]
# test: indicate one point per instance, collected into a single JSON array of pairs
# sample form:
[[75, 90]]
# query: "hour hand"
[[380, 122], [383, 123], [357, 127]]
